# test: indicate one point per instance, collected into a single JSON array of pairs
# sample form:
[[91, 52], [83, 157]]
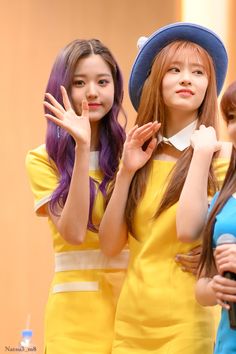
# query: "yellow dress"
[[157, 312], [82, 300]]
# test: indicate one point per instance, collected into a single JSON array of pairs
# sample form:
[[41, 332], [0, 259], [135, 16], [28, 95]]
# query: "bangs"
[[180, 50]]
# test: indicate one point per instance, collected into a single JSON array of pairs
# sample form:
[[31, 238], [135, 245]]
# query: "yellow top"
[[157, 312], [82, 300]]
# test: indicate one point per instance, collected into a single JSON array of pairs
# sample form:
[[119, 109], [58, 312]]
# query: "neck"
[[176, 121]]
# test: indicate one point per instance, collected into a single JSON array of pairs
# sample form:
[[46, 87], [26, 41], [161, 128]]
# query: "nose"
[[91, 91], [185, 78]]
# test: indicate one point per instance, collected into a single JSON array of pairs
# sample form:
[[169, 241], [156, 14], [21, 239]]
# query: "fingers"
[[227, 267], [53, 102], [192, 270], [65, 98], [85, 109], [189, 262], [196, 250], [225, 289], [187, 258], [57, 111], [131, 132], [223, 304], [151, 146], [54, 120], [146, 131], [225, 257]]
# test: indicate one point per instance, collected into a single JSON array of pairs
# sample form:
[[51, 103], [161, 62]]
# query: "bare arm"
[[113, 232], [193, 202], [72, 219]]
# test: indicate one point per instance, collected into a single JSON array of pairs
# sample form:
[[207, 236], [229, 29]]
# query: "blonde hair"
[[152, 108]]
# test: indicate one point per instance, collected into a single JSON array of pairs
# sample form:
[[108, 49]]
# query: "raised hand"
[[134, 156], [205, 139], [66, 118]]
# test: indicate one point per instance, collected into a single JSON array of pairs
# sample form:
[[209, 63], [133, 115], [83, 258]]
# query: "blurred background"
[[32, 33]]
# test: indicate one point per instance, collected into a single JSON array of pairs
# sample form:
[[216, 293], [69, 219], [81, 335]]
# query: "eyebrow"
[[99, 75], [191, 63]]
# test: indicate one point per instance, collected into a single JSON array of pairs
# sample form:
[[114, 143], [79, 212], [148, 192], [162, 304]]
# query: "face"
[[185, 83], [231, 126], [93, 81]]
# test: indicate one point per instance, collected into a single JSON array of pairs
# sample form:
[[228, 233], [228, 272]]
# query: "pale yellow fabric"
[[157, 312], [81, 321]]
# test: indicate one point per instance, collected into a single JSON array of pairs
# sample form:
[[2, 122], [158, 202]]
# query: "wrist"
[[203, 154], [125, 173], [84, 147], [204, 150]]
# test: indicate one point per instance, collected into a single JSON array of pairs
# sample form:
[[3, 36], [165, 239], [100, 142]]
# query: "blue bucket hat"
[[165, 35]]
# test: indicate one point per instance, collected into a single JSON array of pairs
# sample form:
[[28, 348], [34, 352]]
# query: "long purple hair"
[[60, 144]]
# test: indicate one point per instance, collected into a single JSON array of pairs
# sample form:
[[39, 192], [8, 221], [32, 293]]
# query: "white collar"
[[93, 160], [181, 140]]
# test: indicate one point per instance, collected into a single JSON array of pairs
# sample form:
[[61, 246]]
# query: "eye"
[[174, 69], [231, 117], [198, 72], [78, 83], [103, 82]]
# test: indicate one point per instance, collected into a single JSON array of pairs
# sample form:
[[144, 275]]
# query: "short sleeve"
[[220, 166], [43, 177]]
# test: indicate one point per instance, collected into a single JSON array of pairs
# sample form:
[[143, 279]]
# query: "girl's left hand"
[[189, 262], [205, 139], [225, 290]]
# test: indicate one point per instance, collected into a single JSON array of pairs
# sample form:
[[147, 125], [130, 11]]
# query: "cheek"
[[76, 100], [204, 87], [76, 96], [110, 98]]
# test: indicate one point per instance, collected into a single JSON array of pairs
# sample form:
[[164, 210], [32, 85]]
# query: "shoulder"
[[39, 165], [39, 157], [38, 152]]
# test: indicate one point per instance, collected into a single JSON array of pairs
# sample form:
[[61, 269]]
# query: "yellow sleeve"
[[220, 167], [43, 177]]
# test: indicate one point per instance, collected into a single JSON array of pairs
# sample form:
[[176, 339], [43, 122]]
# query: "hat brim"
[[177, 31]]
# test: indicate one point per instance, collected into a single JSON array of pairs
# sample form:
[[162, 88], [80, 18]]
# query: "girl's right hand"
[[205, 139], [66, 118], [134, 157]]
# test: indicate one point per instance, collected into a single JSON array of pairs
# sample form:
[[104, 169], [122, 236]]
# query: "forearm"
[[204, 293], [193, 202], [72, 223], [113, 232]]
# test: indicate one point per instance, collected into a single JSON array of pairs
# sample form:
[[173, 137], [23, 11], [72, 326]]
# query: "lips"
[[185, 91], [94, 104]]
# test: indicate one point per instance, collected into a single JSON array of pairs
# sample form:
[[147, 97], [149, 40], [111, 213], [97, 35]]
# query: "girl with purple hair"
[[71, 178]]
